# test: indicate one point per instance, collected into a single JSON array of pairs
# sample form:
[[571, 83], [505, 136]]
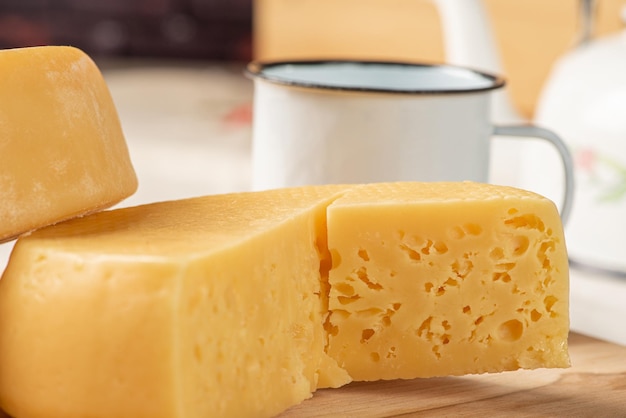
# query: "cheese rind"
[[201, 307], [446, 279], [62, 150]]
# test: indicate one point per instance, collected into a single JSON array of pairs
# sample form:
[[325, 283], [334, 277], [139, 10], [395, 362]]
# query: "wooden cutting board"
[[595, 386]]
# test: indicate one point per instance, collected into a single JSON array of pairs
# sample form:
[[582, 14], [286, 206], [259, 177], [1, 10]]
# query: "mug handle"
[[566, 157]]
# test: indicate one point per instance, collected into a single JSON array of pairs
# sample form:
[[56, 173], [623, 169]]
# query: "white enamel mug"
[[328, 122]]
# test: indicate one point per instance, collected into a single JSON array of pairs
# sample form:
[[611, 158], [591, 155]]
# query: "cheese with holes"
[[62, 151], [195, 308], [446, 279], [244, 304]]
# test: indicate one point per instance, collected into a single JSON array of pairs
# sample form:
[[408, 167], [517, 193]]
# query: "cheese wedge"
[[62, 151], [446, 279], [242, 305], [195, 308]]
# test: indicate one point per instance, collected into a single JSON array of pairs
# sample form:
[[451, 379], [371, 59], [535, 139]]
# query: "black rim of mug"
[[256, 69]]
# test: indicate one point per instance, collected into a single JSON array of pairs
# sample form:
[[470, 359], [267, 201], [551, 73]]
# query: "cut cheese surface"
[[446, 279], [195, 308], [244, 304], [62, 150]]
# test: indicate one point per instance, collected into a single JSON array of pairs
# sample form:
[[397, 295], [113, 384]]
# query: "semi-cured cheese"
[[446, 279], [195, 308], [62, 151], [244, 304]]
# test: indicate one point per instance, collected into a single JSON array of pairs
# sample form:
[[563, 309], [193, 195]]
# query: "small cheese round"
[[62, 150]]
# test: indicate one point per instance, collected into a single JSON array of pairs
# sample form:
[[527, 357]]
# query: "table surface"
[[594, 386]]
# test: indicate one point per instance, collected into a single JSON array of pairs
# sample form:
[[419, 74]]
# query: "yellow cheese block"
[[446, 279], [62, 151], [219, 306], [195, 308]]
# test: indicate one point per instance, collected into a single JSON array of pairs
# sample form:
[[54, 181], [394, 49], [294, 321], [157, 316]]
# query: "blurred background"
[[202, 29], [531, 34]]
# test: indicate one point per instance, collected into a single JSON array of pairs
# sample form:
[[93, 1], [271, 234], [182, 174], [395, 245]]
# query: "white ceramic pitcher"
[[584, 101]]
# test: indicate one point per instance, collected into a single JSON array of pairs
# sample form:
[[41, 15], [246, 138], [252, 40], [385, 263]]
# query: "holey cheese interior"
[[445, 279], [244, 304]]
